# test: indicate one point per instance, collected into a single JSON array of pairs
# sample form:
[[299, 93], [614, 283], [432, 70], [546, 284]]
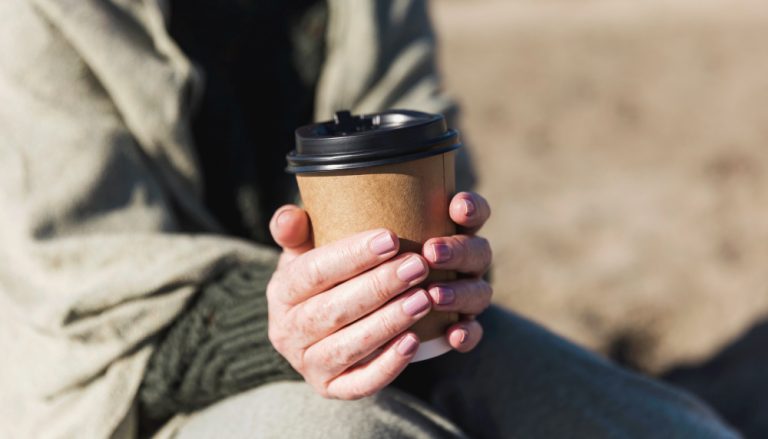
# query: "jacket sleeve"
[[104, 240]]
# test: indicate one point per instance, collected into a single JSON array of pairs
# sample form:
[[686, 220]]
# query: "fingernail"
[[411, 269], [469, 207], [407, 345], [441, 252], [463, 336], [282, 217], [416, 304], [382, 243], [442, 295]]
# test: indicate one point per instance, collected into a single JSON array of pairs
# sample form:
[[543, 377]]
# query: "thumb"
[[290, 229]]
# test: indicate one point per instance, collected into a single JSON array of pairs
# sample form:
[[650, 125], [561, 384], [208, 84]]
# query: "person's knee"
[[293, 409]]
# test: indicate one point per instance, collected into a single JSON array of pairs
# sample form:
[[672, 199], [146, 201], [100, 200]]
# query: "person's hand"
[[340, 313], [470, 256]]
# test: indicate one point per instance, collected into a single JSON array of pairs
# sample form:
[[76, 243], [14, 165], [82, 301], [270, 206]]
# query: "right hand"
[[331, 307]]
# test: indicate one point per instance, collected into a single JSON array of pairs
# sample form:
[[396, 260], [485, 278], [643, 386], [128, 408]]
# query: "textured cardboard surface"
[[408, 198]]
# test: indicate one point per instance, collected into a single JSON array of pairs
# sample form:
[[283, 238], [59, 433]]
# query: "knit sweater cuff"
[[217, 348]]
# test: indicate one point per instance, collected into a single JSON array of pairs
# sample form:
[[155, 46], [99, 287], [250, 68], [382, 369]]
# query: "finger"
[[465, 335], [367, 379], [290, 230], [347, 302], [469, 210], [341, 350], [324, 267], [463, 253], [466, 296]]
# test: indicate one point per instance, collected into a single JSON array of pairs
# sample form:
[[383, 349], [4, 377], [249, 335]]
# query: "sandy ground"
[[624, 148]]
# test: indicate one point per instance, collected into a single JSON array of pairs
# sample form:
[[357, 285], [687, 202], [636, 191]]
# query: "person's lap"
[[521, 381], [292, 409]]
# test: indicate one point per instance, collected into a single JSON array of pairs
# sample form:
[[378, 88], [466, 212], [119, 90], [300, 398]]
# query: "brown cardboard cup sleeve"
[[410, 198]]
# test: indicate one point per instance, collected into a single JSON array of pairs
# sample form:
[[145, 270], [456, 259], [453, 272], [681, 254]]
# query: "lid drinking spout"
[[345, 122]]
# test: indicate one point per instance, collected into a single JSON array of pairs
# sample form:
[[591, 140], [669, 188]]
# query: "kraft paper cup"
[[407, 192]]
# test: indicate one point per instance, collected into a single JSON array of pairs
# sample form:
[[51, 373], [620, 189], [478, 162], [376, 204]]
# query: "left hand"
[[470, 256]]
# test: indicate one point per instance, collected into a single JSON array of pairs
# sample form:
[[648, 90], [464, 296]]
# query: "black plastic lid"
[[360, 141]]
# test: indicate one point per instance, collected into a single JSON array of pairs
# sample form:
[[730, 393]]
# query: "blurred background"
[[624, 148]]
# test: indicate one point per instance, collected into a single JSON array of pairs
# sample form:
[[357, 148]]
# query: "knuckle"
[[310, 357], [333, 315], [356, 254], [314, 273], [305, 322], [348, 254], [339, 357], [300, 326], [299, 321], [388, 324], [315, 370], [462, 250], [378, 285]]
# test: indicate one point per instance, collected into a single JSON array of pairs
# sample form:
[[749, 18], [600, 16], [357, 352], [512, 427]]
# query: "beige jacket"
[[103, 234]]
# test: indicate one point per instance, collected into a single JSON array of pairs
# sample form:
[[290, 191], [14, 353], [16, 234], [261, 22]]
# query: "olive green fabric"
[[217, 348]]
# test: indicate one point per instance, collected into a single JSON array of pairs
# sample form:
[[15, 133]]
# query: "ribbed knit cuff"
[[217, 348]]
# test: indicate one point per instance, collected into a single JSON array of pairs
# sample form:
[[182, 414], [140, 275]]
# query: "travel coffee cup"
[[393, 169]]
